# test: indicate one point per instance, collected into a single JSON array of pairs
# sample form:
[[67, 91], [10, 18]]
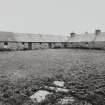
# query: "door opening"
[[30, 45]]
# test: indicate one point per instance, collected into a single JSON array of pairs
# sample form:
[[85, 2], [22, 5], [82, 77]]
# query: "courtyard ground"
[[84, 68]]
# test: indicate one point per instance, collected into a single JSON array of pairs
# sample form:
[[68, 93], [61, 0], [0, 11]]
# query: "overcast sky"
[[52, 16]]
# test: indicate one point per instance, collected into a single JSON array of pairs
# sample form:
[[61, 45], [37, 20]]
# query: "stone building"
[[94, 40], [22, 41]]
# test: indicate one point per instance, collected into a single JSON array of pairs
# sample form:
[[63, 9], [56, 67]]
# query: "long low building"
[[27, 41], [20, 41], [88, 40]]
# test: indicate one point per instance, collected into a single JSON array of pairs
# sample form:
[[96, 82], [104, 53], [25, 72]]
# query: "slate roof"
[[82, 38], [7, 36], [26, 37], [39, 38]]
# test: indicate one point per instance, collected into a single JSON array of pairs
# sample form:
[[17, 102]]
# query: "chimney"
[[97, 32], [72, 34]]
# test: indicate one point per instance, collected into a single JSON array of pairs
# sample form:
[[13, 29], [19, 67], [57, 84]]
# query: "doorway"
[[30, 45], [50, 45]]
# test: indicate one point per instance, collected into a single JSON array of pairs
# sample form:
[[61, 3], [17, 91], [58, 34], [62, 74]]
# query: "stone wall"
[[25, 45], [90, 45]]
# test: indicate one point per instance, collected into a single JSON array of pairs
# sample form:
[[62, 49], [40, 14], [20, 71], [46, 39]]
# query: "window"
[[23, 43], [5, 43], [86, 43]]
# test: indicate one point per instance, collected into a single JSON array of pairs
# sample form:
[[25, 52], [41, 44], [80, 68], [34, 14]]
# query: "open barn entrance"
[[30, 45], [50, 45]]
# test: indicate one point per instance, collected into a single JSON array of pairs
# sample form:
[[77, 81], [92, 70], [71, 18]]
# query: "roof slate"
[[82, 38], [7, 36], [25, 37], [39, 38]]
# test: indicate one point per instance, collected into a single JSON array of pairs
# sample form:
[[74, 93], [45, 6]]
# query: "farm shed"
[[20, 41], [7, 40], [81, 41], [88, 40]]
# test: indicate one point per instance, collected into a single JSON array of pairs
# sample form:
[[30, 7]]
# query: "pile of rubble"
[[48, 92]]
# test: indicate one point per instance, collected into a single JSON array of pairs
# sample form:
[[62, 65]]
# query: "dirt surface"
[[84, 68], [44, 62]]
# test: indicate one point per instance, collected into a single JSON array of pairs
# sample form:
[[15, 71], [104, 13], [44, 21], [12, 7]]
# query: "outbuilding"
[[94, 40], [27, 41]]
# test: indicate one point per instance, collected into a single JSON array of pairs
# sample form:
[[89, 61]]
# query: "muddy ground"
[[24, 72]]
